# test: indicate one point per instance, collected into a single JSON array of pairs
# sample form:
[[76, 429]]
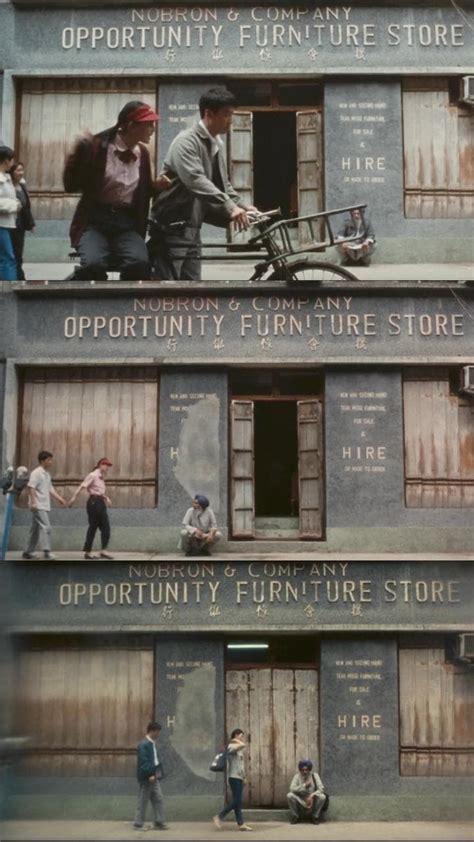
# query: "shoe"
[[103, 554], [29, 556], [137, 826], [90, 556], [49, 556], [316, 821], [217, 822], [245, 827], [205, 551], [294, 821], [161, 826]]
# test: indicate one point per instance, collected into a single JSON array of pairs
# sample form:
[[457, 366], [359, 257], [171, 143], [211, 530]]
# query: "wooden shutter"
[[310, 473], [438, 150], [309, 151], [242, 469], [241, 160], [278, 708], [84, 414], [53, 113], [84, 708], [439, 449], [436, 713]]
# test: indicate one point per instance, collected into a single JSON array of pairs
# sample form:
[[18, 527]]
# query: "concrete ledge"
[[410, 539], [384, 808]]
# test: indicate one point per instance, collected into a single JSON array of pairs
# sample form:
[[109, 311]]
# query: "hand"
[[251, 209], [240, 219], [70, 504], [18, 206], [63, 502], [152, 779], [108, 501], [34, 508], [162, 182]]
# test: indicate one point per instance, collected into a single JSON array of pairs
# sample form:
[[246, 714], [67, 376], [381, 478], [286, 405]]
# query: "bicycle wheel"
[[312, 270]]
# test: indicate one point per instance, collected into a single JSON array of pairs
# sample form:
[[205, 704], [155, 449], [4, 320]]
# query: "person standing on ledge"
[[97, 514], [10, 206], [112, 171], [200, 192], [149, 774], [40, 491]]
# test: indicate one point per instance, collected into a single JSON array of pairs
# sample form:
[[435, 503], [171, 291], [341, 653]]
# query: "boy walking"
[[40, 491]]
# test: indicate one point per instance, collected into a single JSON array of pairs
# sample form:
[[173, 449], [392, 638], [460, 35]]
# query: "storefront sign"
[[244, 595], [309, 326], [264, 38]]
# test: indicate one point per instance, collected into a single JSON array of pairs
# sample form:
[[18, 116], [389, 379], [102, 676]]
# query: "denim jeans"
[[236, 787], [7, 257]]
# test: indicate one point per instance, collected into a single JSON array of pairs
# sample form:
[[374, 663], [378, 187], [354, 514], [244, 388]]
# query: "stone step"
[[277, 528]]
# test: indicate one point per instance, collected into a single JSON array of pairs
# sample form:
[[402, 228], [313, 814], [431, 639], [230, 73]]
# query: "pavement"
[[240, 271], [40, 831], [256, 556]]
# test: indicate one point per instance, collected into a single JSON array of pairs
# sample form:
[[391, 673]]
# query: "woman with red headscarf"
[[112, 171]]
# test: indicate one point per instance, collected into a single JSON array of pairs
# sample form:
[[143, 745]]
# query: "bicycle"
[[289, 262]]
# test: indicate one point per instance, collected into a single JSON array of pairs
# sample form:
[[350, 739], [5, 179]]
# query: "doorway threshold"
[[277, 528]]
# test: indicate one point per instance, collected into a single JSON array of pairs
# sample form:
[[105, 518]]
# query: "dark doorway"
[[275, 170], [276, 459]]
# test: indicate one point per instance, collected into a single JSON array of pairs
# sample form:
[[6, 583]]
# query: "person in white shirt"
[[40, 491], [199, 530]]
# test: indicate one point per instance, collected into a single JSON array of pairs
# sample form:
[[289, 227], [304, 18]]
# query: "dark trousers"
[[98, 520], [237, 788], [182, 250], [111, 236], [18, 243]]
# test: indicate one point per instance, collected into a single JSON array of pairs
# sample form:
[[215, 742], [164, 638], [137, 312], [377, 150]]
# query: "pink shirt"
[[95, 484], [120, 178]]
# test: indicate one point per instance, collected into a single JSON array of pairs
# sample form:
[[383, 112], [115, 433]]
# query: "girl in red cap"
[[112, 171], [97, 514]]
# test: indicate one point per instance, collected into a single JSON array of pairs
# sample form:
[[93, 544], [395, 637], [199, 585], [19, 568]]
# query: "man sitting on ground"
[[199, 531], [306, 798]]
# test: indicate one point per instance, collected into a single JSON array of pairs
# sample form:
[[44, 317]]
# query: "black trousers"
[[98, 520], [180, 257], [111, 235], [18, 243]]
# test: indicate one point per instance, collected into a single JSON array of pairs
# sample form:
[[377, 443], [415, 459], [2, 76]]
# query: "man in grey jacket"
[[200, 191], [306, 797]]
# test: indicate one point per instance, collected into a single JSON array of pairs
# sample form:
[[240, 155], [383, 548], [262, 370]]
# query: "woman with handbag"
[[24, 221]]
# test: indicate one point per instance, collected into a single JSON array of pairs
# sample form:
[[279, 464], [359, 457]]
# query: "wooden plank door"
[[310, 471], [310, 157], [278, 710], [436, 714], [84, 707], [242, 469], [241, 160]]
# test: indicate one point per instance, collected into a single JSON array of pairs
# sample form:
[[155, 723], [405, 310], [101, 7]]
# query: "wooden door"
[[53, 112], [83, 707], [439, 436], [83, 414], [310, 468], [278, 709], [242, 469], [438, 151], [309, 151], [436, 714], [241, 161]]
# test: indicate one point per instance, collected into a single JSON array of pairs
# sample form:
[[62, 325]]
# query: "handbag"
[[219, 763]]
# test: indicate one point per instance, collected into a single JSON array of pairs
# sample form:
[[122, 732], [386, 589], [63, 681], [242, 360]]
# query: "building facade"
[[368, 103], [363, 667], [330, 419]]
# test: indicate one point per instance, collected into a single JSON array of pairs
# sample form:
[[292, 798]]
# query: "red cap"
[[105, 461], [143, 114]]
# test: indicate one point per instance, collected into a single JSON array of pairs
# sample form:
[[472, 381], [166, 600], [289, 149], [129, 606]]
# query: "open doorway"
[[275, 161], [276, 459]]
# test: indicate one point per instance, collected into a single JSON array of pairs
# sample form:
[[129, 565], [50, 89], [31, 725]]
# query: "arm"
[[77, 167], [235, 746], [32, 499], [297, 788], [145, 762], [186, 162], [369, 232], [83, 486], [191, 530], [54, 494], [9, 205]]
